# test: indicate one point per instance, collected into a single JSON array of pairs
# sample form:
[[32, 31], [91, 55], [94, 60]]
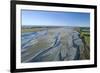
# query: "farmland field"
[[39, 44]]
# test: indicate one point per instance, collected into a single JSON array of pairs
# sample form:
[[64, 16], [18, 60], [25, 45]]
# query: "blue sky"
[[51, 18]]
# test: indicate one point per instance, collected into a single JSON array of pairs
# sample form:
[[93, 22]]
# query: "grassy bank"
[[85, 35]]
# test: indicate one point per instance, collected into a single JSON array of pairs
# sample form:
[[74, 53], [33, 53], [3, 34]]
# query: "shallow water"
[[64, 44]]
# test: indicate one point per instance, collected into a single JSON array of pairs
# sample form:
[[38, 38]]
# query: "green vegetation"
[[85, 35], [31, 29]]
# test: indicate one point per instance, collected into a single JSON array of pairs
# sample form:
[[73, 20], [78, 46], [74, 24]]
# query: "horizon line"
[[53, 26]]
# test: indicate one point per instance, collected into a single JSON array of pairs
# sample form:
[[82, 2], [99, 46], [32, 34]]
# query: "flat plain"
[[42, 44]]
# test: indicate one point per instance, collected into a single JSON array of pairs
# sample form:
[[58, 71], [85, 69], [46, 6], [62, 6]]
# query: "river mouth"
[[50, 44]]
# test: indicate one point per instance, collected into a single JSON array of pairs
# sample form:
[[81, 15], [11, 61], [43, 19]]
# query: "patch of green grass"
[[85, 35], [31, 29]]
